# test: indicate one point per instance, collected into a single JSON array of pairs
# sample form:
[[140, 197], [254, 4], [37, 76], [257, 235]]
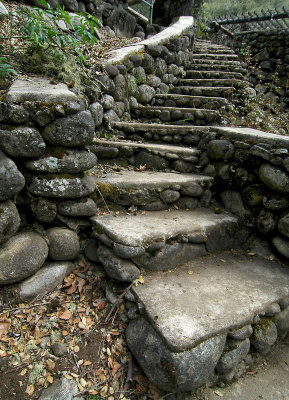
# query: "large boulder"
[[9, 220], [74, 130], [22, 142], [21, 256], [63, 161], [172, 371], [11, 180], [44, 281], [63, 244], [274, 178], [62, 187], [122, 22]]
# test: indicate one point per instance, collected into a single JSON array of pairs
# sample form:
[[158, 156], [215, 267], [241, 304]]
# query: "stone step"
[[213, 50], [152, 156], [162, 240], [210, 82], [213, 75], [151, 190], [219, 56], [177, 114], [211, 67], [208, 320], [178, 100], [217, 91], [140, 131], [215, 62]]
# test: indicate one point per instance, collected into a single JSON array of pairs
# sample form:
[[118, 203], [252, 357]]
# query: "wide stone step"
[[155, 190], [178, 100], [218, 91], [152, 156], [213, 50], [162, 240], [211, 67], [177, 114], [209, 82], [207, 320], [219, 56], [213, 75], [138, 131], [215, 62]]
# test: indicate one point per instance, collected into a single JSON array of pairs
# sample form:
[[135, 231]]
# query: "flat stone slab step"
[[153, 180], [213, 75], [215, 62], [154, 190], [212, 50], [181, 100], [156, 157], [217, 91], [219, 56], [167, 114], [211, 67], [211, 295], [209, 82], [209, 319], [143, 229]]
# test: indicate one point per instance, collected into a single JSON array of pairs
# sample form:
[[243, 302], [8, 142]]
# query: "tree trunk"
[[166, 10]]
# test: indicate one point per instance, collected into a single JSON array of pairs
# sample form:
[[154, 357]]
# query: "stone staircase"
[[206, 307]]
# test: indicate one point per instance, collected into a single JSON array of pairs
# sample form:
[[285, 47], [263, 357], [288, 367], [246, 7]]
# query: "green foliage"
[[42, 28], [6, 70]]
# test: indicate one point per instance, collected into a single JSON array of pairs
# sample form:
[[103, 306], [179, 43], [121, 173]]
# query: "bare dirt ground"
[[269, 380]]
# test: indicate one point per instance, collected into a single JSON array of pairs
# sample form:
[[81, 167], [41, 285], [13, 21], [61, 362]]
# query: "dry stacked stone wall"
[[44, 191]]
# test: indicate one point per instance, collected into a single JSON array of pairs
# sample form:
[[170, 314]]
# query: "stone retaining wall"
[[45, 190], [44, 186], [134, 74]]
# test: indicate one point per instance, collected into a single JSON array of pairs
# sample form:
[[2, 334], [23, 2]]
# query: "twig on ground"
[[130, 369], [74, 356], [119, 300]]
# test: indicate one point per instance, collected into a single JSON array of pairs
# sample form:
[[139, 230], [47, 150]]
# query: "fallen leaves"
[[4, 326]]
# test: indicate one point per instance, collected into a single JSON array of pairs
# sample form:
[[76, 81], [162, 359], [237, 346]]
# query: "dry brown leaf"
[[50, 364], [30, 390], [66, 315], [4, 326]]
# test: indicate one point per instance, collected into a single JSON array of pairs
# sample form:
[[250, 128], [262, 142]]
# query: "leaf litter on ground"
[[74, 316]]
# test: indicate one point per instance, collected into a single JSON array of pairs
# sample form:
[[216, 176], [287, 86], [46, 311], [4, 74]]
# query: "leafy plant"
[[6, 70], [45, 28]]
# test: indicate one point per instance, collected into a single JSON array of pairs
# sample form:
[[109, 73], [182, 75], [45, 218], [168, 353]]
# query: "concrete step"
[[178, 100], [217, 91], [206, 322], [162, 240], [154, 190], [219, 56], [210, 82], [156, 157], [213, 75], [211, 67], [177, 114]]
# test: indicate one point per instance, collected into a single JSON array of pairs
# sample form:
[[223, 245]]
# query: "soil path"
[[270, 383]]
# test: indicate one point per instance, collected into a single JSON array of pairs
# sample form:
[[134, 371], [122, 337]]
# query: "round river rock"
[[63, 244], [21, 256]]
